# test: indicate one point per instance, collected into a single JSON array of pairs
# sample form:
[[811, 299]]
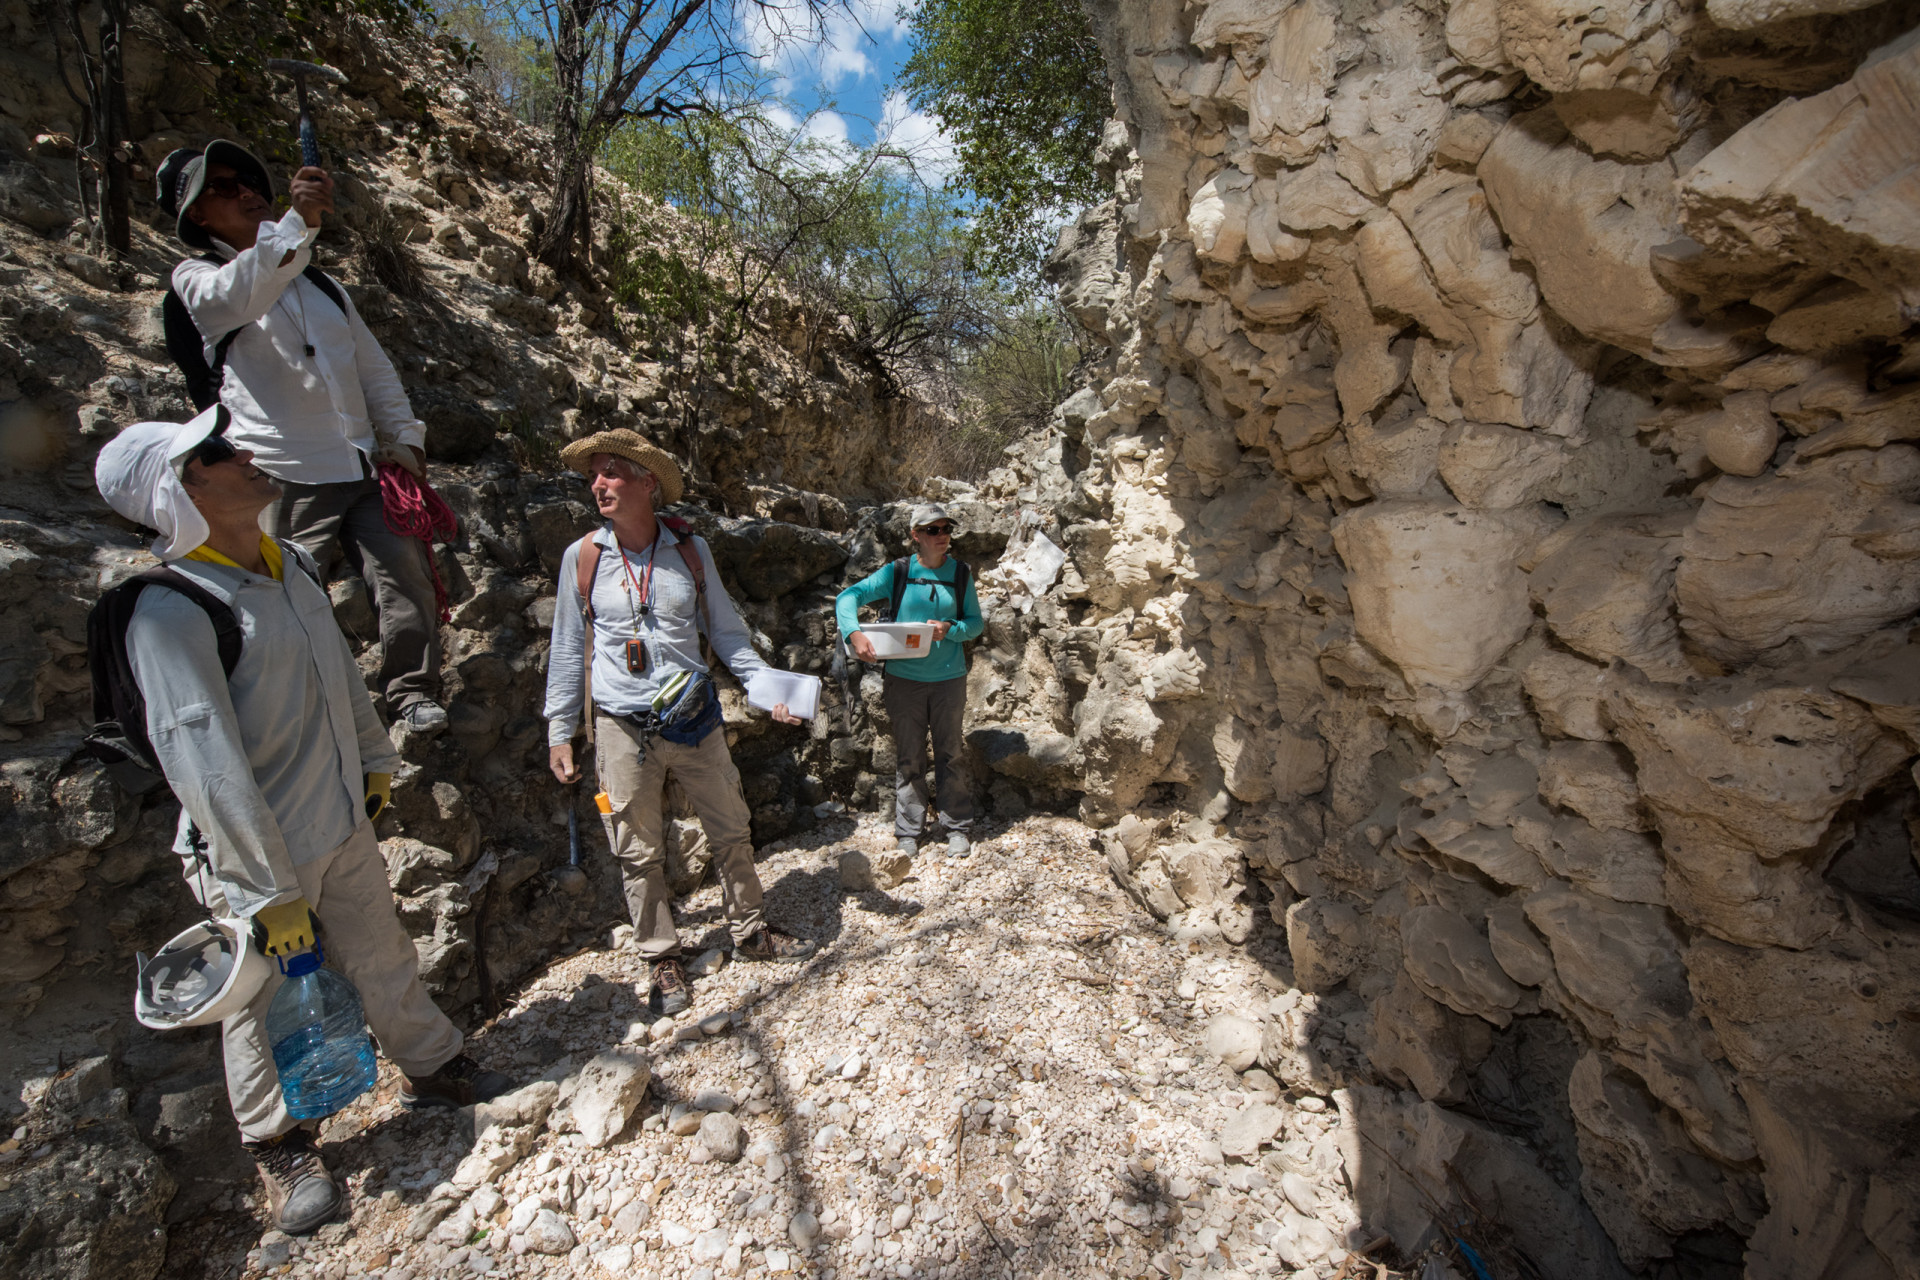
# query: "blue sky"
[[843, 77]]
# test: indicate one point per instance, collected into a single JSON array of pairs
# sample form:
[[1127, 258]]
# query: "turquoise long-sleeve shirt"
[[929, 598]]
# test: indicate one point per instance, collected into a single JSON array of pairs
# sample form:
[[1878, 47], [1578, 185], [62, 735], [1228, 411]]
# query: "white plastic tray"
[[900, 639]]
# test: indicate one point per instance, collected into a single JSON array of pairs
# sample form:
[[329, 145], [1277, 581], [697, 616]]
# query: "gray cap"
[[925, 513]]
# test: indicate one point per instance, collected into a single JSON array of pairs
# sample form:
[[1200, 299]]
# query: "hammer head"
[[300, 70]]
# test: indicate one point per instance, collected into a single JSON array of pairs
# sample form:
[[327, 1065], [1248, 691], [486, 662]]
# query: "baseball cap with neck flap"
[[138, 473], [183, 176]]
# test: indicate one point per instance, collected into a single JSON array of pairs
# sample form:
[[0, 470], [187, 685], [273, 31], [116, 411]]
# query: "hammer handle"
[[309, 141]]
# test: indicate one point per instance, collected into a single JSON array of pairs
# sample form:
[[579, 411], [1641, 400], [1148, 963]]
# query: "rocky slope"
[[1489, 539]]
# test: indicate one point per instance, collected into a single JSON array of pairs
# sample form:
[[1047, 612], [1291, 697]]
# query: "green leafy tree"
[[1021, 87]]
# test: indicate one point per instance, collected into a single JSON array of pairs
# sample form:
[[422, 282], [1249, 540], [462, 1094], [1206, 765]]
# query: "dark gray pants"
[[351, 514], [919, 709]]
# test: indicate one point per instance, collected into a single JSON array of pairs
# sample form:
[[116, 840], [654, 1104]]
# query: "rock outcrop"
[[1488, 532]]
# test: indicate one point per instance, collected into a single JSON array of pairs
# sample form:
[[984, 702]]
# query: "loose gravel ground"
[[996, 1068]]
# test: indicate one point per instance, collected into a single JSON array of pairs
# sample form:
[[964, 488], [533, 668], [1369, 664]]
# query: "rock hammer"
[[309, 136]]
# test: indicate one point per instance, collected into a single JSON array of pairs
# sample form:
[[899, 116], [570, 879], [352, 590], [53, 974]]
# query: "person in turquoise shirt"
[[925, 697]]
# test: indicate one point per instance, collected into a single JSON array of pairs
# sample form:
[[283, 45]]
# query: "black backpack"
[[187, 346], [119, 738], [962, 574]]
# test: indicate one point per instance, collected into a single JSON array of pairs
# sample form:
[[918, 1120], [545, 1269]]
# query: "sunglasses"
[[938, 530], [215, 449], [228, 188]]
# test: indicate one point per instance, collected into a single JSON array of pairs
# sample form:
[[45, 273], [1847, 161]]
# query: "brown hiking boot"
[[771, 944], [461, 1082], [301, 1194], [670, 980]]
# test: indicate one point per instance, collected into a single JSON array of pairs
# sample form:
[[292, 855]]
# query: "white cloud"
[[793, 47], [827, 126], [919, 135]]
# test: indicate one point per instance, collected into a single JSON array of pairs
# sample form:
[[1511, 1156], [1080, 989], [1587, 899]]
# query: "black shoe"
[[425, 717], [670, 980], [771, 944], [460, 1083], [301, 1194]]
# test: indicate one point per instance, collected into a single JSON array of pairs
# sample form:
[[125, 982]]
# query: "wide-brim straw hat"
[[636, 449]]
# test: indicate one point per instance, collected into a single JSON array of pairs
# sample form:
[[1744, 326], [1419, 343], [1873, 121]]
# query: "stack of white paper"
[[768, 689]]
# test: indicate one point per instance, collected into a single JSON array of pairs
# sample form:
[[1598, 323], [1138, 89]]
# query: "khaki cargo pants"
[[364, 940], [637, 789]]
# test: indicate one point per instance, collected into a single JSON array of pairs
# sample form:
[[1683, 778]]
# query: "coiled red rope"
[[414, 510]]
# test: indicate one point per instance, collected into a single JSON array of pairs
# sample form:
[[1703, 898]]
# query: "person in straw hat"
[[627, 658], [280, 769]]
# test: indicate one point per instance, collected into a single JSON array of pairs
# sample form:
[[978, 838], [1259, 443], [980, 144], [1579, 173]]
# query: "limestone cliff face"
[[1491, 537]]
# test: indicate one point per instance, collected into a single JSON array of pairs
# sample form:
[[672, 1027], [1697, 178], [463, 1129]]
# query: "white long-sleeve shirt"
[[308, 419], [667, 630], [269, 764]]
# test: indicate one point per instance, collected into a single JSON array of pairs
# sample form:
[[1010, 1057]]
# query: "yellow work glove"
[[379, 793], [285, 927]]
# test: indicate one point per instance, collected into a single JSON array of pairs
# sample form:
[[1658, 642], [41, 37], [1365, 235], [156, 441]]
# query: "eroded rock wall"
[[1491, 536]]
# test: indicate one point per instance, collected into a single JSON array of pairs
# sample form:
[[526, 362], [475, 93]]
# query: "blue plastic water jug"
[[319, 1036]]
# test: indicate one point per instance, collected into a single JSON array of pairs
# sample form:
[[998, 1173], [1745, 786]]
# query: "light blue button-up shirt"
[[669, 630]]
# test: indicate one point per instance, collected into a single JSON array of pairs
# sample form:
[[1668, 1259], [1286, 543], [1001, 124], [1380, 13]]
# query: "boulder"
[[1403, 1156], [1327, 940], [1620, 963], [1817, 553], [770, 558], [1414, 1040], [597, 1100], [1607, 590], [1234, 1040], [1595, 780], [95, 1205], [1492, 467], [1588, 224], [1250, 1128], [459, 429], [1824, 180], [1646, 1182], [1744, 781], [1436, 588], [1449, 959]]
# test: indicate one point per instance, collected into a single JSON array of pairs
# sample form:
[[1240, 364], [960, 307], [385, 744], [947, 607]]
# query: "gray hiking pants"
[[351, 513], [921, 709]]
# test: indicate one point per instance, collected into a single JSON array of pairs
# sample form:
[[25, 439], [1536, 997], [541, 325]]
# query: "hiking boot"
[[907, 845], [460, 1083], [958, 846], [301, 1194], [771, 944], [669, 978], [425, 717]]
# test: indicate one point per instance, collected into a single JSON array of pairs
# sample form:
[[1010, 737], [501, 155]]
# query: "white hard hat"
[[204, 975]]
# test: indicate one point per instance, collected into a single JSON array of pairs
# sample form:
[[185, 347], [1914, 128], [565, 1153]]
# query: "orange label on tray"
[[913, 642]]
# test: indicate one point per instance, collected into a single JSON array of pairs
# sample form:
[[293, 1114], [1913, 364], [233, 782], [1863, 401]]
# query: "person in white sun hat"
[[280, 769]]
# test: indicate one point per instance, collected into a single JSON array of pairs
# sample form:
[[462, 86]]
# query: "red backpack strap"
[[587, 564]]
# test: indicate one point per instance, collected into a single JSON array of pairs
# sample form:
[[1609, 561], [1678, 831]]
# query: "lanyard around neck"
[[640, 593]]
